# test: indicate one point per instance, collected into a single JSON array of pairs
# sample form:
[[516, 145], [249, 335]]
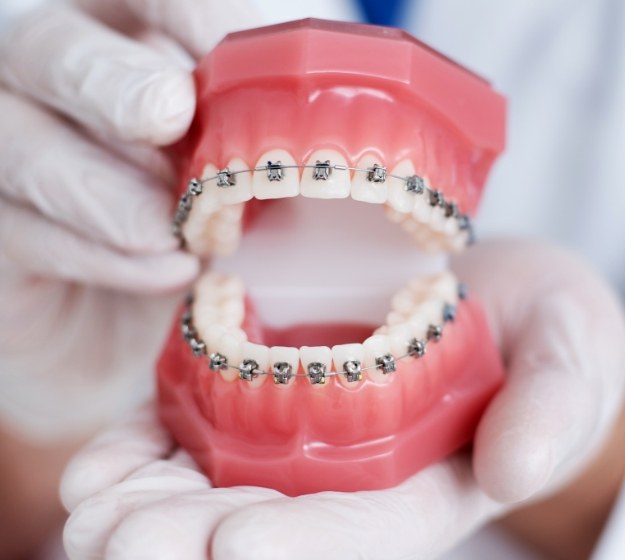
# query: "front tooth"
[[365, 189], [348, 357], [399, 198], [241, 190], [280, 183], [260, 354], [279, 355], [231, 346], [311, 357], [376, 347], [325, 182]]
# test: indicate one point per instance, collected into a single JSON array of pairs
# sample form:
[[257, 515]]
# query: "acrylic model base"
[[346, 358]]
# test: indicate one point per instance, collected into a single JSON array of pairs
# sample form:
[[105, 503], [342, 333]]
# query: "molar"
[[325, 182], [370, 189], [313, 355], [284, 183]]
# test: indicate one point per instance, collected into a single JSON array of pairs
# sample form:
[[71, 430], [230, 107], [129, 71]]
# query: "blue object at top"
[[382, 12]]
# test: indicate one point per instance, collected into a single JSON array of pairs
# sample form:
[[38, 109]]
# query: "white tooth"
[[231, 286], [399, 336], [381, 330], [263, 188], [337, 185], [395, 317], [374, 347], [196, 229], [241, 191], [286, 354], [321, 354], [212, 335], [451, 227], [429, 311], [398, 197], [344, 353], [394, 215], [437, 219], [260, 354], [444, 287], [402, 301], [232, 313], [205, 316], [422, 209], [419, 326], [365, 190], [230, 346]]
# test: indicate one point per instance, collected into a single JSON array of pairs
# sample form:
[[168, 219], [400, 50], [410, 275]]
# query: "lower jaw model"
[[352, 359]]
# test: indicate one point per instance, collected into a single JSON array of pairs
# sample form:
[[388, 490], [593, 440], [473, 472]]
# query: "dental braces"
[[317, 373], [321, 171]]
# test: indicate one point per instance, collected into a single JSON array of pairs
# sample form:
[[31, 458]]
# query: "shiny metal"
[[248, 370], [416, 348], [322, 170], [415, 184], [435, 333], [451, 210], [275, 171], [198, 347], [376, 174], [449, 312], [194, 187], [353, 370], [386, 364], [463, 291], [225, 178], [436, 198], [316, 373], [282, 372], [217, 361]]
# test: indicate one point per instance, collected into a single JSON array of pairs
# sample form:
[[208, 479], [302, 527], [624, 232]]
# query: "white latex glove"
[[133, 494], [87, 94]]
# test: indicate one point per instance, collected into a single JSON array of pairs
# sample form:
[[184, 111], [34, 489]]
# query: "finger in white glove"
[[563, 336], [101, 79]]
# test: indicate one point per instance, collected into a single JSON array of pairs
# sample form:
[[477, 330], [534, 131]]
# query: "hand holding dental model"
[[251, 419], [133, 492], [87, 95]]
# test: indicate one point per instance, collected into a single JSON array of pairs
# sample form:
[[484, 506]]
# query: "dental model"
[[305, 381]]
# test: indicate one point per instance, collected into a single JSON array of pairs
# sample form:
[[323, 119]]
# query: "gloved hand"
[[133, 494], [89, 90]]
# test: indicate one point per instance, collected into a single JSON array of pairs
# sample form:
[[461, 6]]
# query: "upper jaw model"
[[353, 358]]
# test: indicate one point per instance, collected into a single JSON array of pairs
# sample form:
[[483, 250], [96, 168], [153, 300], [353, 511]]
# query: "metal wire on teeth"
[[321, 171], [316, 372]]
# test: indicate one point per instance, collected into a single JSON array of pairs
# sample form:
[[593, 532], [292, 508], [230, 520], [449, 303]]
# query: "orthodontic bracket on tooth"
[[316, 372], [321, 171]]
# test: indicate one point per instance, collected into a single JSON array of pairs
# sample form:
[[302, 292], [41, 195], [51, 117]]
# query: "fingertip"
[[511, 467], [168, 106]]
